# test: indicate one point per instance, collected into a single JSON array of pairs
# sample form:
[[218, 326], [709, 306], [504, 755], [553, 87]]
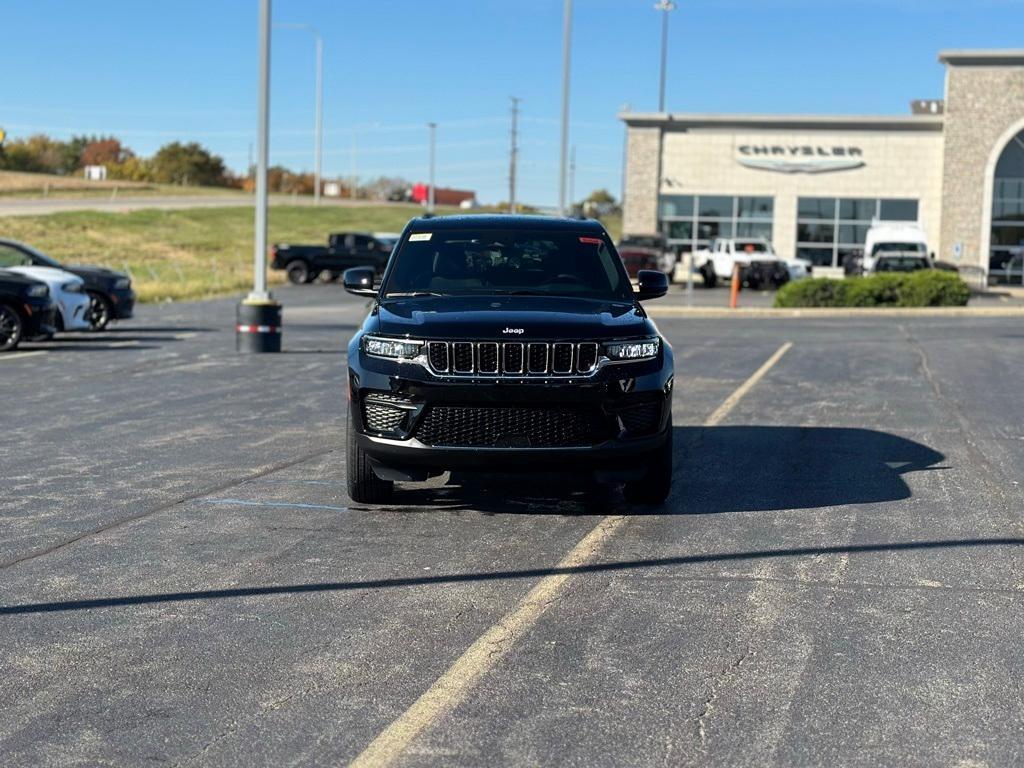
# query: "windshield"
[[755, 246], [15, 255], [496, 262], [901, 247]]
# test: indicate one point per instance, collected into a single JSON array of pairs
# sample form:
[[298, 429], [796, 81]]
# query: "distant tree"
[[72, 156], [386, 188], [132, 168], [106, 151], [37, 154], [178, 163], [601, 197]]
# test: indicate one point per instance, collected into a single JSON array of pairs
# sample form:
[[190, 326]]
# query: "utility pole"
[[258, 327], [353, 189], [665, 6], [430, 192], [566, 39], [513, 156]]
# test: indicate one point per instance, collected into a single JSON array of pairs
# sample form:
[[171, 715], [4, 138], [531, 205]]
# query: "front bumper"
[[40, 319], [122, 303], [611, 421]]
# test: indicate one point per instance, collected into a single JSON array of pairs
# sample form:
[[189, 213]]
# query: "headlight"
[[121, 283], [73, 287], [645, 349], [37, 291], [391, 348]]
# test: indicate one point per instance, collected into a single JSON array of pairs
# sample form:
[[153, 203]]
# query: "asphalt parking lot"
[[838, 577]]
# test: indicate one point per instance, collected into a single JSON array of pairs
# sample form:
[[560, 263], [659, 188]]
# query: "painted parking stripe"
[[293, 505], [452, 688], [22, 355]]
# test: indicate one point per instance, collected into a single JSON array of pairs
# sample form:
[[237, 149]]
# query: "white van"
[[886, 240]]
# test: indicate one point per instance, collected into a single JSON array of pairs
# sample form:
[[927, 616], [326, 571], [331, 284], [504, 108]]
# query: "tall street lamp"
[[566, 39], [258, 327], [319, 102], [665, 6]]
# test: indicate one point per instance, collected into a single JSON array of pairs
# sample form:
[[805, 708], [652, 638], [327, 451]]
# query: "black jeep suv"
[[501, 343]]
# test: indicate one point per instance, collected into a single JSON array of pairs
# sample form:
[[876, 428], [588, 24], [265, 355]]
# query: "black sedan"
[[111, 294], [26, 310]]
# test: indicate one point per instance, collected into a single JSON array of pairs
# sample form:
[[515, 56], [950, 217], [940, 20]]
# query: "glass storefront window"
[[676, 205], [754, 207], [819, 257], [690, 221], [715, 207], [1006, 251], [845, 222], [897, 210]]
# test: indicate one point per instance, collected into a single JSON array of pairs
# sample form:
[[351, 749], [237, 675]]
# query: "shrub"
[[925, 288]]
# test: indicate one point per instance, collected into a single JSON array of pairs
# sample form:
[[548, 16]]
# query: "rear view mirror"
[[359, 281], [653, 284]]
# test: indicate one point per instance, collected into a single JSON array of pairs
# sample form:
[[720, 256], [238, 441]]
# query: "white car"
[[68, 292]]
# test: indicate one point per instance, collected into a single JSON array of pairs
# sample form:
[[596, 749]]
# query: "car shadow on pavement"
[[717, 469], [764, 469]]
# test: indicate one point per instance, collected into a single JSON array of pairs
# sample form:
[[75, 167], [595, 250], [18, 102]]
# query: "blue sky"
[[151, 72]]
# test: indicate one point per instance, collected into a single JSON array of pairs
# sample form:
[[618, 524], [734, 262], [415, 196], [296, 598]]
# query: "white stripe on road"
[[22, 355], [452, 688]]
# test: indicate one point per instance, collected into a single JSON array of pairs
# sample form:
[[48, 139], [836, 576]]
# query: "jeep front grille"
[[472, 426], [494, 358]]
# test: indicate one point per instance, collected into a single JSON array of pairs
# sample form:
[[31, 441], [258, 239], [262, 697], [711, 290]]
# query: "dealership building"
[[814, 184]]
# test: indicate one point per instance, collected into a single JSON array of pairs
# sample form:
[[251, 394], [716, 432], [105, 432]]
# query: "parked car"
[[27, 311], [759, 265], [647, 251], [508, 343], [304, 263], [900, 261], [110, 293], [892, 238], [66, 290]]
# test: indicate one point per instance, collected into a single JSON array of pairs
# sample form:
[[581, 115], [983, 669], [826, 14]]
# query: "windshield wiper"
[[412, 294]]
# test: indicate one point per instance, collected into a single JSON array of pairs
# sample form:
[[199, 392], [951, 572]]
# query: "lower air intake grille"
[[383, 413], [511, 427], [641, 419]]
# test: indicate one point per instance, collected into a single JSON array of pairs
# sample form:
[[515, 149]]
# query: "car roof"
[[506, 222]]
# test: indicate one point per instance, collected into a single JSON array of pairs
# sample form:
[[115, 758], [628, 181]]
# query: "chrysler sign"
[[799, 158]]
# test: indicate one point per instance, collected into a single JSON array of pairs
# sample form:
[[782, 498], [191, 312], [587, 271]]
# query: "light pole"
[[258, 328], [430, 192], [566, 39], [513, 156], [665, 6], [317, 163]]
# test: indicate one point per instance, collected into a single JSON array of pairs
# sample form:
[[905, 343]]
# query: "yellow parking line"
[[22, 355], [452, 688]]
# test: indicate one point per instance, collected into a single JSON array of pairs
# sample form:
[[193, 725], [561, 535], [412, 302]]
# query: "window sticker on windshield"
[[419, 237]]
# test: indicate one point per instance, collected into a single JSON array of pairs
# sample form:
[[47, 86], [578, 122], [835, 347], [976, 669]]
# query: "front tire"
[[10, 329], [298, 273], [99, 312], [655, 487], [364, 487]]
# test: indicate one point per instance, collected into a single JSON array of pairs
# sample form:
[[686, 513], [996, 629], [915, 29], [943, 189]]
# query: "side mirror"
[[359, 281], [653, 284]]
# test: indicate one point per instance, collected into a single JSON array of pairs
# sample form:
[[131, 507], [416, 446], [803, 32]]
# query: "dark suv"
[[501, 343]]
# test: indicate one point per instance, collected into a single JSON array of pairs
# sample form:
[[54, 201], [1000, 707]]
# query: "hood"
[[8, 277], [52, 276], [500, 317], [86, 271]]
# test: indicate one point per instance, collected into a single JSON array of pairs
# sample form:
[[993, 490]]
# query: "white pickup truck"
[[895, 248], [760, 266]]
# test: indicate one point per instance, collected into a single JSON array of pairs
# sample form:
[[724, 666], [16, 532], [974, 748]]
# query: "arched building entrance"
[[1006, 231]]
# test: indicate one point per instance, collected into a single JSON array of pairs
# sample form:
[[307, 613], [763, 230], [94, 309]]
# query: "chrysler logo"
[[799, 158]]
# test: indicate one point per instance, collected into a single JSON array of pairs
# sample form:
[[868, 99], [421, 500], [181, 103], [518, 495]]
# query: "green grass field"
[[192, 253], [197, 252]]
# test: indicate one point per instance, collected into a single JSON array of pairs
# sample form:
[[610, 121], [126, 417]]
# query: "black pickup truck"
[[304, 263]]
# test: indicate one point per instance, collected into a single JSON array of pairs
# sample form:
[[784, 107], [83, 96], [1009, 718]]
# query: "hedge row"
[[924, 288]]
